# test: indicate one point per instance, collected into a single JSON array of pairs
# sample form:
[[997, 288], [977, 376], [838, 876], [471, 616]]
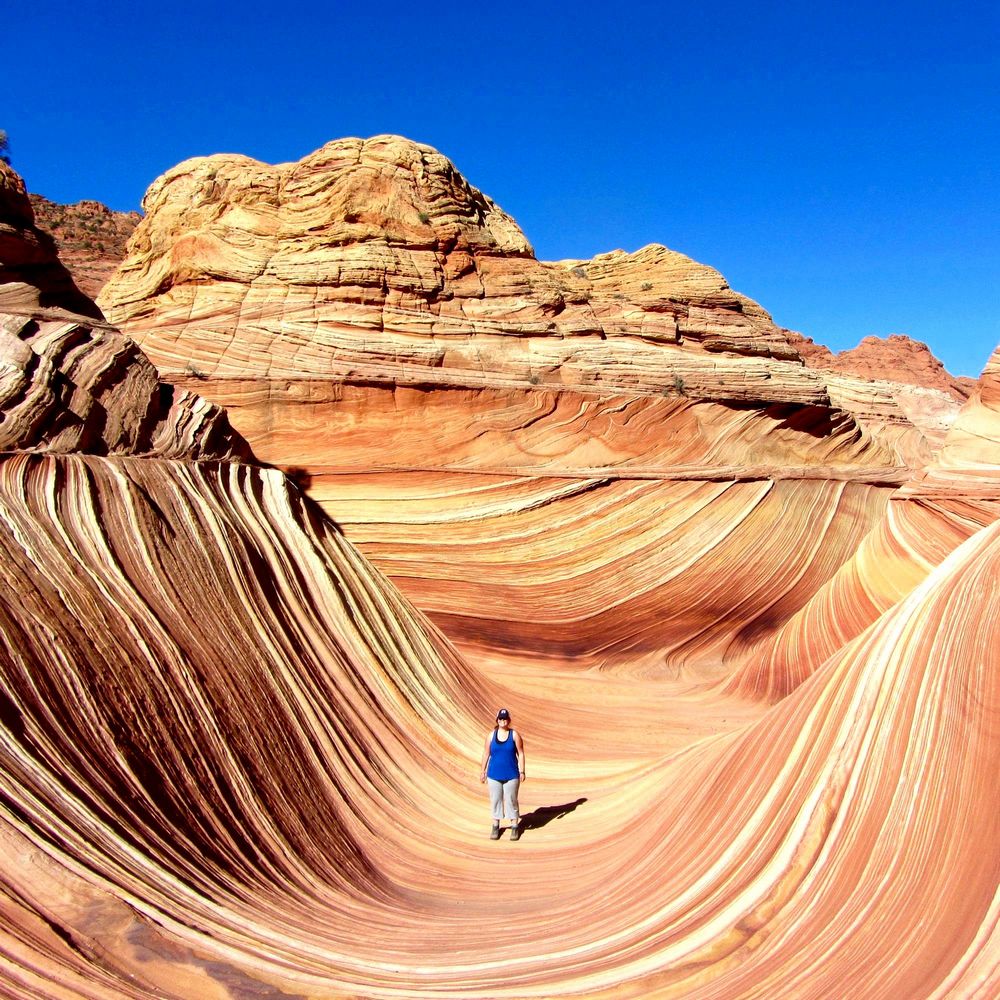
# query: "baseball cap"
[[503, 714]]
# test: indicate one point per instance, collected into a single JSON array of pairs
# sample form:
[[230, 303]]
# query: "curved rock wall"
[[266, 783], [934, 511]]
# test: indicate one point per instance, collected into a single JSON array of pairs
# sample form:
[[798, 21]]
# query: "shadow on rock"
[[544, 815]]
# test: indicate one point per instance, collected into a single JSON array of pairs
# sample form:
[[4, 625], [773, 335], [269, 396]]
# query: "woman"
[[503, 768]]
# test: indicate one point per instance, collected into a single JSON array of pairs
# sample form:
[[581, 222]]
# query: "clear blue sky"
[[841, 166]]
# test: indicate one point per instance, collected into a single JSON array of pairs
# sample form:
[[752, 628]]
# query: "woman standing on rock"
[[503, 770]]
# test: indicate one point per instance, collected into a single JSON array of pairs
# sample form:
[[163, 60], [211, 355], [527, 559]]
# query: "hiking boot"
[[515, 832], [495, 832]]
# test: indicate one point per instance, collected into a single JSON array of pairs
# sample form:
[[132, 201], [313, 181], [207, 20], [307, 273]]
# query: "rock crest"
[[895, 358]]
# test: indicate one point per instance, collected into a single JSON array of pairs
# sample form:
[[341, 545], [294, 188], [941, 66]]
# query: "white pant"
[[503, 798]]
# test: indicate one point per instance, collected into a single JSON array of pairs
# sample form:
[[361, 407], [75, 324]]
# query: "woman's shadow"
[[544, 815]]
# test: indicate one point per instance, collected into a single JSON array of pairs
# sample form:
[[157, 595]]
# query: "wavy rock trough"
[[236, 761]]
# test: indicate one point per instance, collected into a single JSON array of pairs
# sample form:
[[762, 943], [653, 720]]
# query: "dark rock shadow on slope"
[[544, 815]]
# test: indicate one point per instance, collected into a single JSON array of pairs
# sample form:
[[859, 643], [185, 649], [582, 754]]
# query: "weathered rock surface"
[[375, 260], [234, 760], [31, 275], [92, 242], [68, 386], [376, 325], [931, 515], [896, 358]]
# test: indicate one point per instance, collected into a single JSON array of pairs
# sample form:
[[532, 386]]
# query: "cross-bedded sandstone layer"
[[236, 761], [936, 510], [268, 784], [375, 261], [71, 383], [377, 326]]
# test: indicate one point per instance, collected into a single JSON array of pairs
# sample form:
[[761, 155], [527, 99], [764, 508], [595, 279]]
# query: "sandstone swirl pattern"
[[936, 510], [236, 761], [375, 324]]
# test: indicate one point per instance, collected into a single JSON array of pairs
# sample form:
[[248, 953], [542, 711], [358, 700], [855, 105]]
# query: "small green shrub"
[[646, 286]]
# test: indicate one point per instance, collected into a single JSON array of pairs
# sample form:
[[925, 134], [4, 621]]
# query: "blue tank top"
[[503, 759]]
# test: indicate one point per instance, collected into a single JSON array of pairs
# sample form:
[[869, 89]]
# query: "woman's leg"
[[496, 798], [510, 800]]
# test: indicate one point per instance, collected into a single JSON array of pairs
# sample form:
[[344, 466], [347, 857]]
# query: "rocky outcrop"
[[376, 261], [71, 383], [814, 355], [895, 388], [895, 359], [71, 387], [89, 237], [32, 278], [377, 326]]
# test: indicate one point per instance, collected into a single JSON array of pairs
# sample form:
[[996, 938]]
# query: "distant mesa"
[[896, 358]]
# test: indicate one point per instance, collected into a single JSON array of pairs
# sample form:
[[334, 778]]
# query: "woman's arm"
[[519, 746], [486, 759]]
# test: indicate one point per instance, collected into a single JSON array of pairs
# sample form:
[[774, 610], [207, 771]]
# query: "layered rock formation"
[[31, 275], [375, 324], [376, 260], [236, 761], [934, 512], [92, 243], [244, 796], [69, 382]]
